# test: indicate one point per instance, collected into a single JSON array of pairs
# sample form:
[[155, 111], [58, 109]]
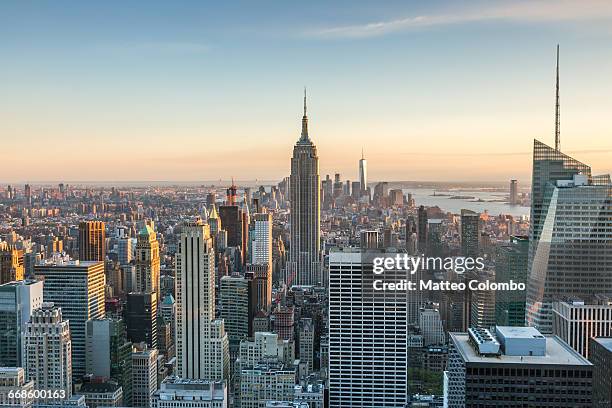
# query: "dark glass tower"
[[304, 267]]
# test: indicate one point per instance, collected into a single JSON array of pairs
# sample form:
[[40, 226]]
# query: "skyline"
[[158, 97]]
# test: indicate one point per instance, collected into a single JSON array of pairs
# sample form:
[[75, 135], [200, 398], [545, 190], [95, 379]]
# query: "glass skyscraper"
[[570, 239]]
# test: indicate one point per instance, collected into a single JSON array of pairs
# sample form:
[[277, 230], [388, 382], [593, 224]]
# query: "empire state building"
[[304, 266]]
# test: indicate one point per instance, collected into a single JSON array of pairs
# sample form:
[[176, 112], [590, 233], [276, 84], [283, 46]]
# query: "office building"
[[270, 381], [185, 393], [147, 261], [141, 318], [601, 357], [261, 252], [144, 375], [102, 394], [516, 366], [306, 341], [304, 266], [124, 250], [17, 302], [109, 354], [367, 337], [92, 241], [47, 351], [514, 198], [511, 264], [202, 347], [577, 321], [236, 311], [11, 263], [570, 239], [76, 287], [430, 324], [15, 390], [422, 224], [261, 276], [470, 233]]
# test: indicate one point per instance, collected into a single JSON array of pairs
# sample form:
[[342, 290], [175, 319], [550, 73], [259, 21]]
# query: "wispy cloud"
[[524, 11]]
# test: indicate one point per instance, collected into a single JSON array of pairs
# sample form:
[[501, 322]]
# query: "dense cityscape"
[[251, 296]]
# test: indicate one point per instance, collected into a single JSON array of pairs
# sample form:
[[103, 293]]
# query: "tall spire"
[[557, 109], [304, 120], [362, 153]]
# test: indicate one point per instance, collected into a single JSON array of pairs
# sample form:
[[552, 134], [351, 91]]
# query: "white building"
[[576, 321], [183, 393], [47, 350], [266, 382], [261, 252], [430, 324], [202, 347], [14, 389], [367, 336], [144, 375]]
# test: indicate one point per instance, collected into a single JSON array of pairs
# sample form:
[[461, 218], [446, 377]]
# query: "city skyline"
[[169, 96]]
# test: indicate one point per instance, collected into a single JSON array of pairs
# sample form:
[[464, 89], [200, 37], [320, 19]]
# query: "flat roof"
[[605, 342], [557, 353], [515, 332]]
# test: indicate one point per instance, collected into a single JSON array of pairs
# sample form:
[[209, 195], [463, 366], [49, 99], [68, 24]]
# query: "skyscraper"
[[144, 375], [18, 300], [141, 318], [569, 237], [470, 233], [78, 288], [514, 192], [202, 348], [47, 350], [511, 264], [11, 263], [92, 241], [147, 261], [368, 358], [363, 174], [304, 267]]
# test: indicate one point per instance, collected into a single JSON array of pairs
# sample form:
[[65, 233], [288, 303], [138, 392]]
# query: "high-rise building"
[[47, 352], [422, 224], [514, 198], [185, 393], [11, 263], [569, 237], [576, 321], [261, 276], [511, 264], [363, 174], [109, 354], [144, 375], [92, 241], [368, 334], [147, 261], [470, 233], [15, 391], [306, 341], [368, 240], [78, 288], [141, 318], [124, 250], [304, 266], [430, 324], [517, 367], [601, 357], [261, 252], [482, 302], [202, 347], [18, 300], [236, 311]]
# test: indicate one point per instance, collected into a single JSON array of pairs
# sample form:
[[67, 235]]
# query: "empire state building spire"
[[304, 121]]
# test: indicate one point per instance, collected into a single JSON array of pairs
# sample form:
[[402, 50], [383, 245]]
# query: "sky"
[[191, 91]]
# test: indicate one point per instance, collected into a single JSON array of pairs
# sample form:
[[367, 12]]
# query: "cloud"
[[525, 11]]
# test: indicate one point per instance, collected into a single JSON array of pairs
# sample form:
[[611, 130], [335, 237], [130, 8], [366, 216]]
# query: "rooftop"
[[605, 342], [557, 353]]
